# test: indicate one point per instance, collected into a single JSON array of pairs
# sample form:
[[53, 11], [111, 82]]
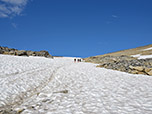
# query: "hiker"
[[79, 60], [75, 60]]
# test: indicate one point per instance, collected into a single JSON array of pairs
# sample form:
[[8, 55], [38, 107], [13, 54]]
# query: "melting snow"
[[142, 56], [148, 49], [138, 55], [60, 86], [145, 57]]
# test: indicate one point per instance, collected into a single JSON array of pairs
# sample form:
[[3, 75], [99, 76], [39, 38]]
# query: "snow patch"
[[148, 49], [139, 56], [145, 57]]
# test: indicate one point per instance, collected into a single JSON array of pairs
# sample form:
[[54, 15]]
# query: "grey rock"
[[1, 51], [21, 53], [12, 51], [30, 53], [123, 63]]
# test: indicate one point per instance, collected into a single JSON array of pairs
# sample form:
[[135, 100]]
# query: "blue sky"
[[75, 27]]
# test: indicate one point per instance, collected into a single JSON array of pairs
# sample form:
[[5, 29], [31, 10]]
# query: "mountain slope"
[[137, 60], [38, 85], [144, 50]]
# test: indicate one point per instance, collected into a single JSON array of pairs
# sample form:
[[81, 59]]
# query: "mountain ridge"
[[137, 49]]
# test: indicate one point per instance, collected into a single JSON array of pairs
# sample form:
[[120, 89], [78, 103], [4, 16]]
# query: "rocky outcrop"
[[124, 63], [21, 53], [141, 70], [126, 60], [150, 72], [11, 51]]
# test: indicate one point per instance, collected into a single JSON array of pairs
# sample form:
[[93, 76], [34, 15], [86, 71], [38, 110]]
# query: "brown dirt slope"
[[128, 52]]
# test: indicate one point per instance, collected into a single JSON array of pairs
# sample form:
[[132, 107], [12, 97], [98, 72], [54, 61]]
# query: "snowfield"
[[59, 86]]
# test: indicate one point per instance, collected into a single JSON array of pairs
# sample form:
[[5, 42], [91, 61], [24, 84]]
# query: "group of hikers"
[[77, 60]]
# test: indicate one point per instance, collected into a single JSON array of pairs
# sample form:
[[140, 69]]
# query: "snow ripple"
[[76, 88]]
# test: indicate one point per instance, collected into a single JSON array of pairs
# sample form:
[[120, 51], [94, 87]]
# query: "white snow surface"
[[145, 56], [139, 56], [148, 49], [37, 85]]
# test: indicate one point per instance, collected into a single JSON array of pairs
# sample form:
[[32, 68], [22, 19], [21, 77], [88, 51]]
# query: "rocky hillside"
[[12, 51], [135, 61]]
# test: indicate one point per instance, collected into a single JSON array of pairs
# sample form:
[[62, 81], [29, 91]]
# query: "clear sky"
[[75, 27]]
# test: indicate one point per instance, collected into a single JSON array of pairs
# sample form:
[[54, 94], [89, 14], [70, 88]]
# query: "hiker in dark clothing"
[[75, 60], [79, 60]]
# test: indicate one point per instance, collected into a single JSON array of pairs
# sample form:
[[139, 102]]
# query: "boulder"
[[150, 73], [134, 72], [141, 72], [147, 69], [21, 53], [6, 53], [1, 51], [138, 68], [11, 52], [43, 53], [30, 53], [37, 53], [49, 56]]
